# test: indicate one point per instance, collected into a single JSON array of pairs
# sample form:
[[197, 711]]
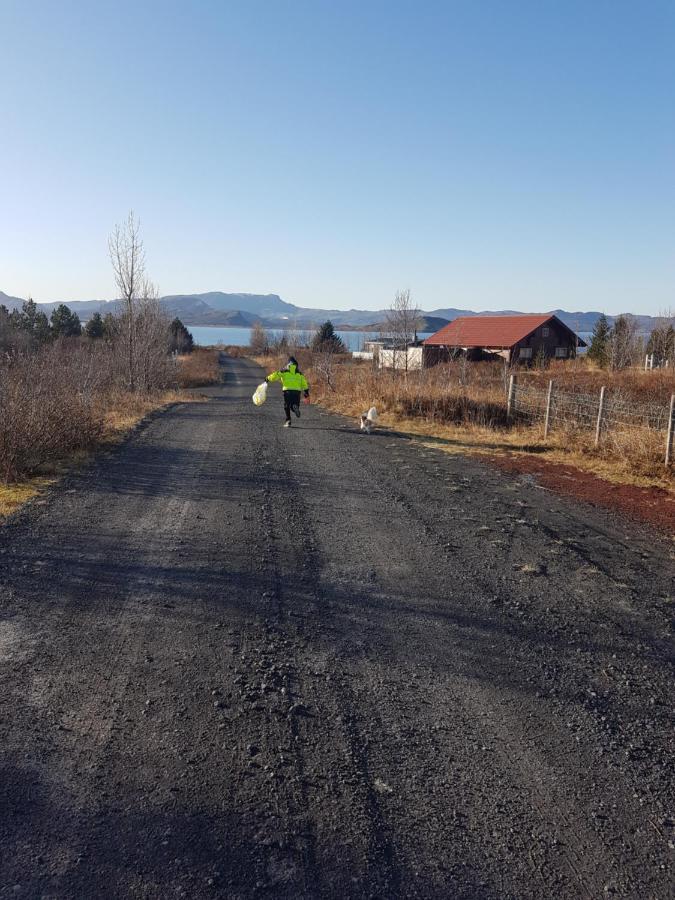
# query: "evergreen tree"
[[95, 328], [180, 339], [598, 351], [326, 340], [7, 330], [65, 323], [34, 322]]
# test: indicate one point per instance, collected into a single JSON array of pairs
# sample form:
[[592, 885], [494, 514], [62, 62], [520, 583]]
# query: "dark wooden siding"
[[542, 344]]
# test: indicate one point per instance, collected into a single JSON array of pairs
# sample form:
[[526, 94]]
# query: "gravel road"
[[242, 661]]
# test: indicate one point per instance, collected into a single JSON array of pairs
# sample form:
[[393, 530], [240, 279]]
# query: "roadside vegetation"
[[466, 406], [65, 388], [461, 406], [199, 368]]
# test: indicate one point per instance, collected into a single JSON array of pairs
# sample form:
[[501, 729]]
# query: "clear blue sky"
[[484, 154]]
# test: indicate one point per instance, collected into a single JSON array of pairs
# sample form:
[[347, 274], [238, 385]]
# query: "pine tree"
[[7, 329], [326, 340], [598, 351], [34, 322], [65, 323], [95, 328], [180, 339]]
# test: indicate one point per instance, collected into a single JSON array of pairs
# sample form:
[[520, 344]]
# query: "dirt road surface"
[[238, 660]]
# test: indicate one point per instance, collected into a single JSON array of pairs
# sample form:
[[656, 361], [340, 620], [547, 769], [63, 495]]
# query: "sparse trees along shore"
[[621, 346], [62, 386]]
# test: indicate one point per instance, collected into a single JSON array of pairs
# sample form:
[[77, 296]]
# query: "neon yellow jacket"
[[290, 378]]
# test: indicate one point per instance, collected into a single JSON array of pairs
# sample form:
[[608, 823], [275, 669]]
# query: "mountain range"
[[220, 309]]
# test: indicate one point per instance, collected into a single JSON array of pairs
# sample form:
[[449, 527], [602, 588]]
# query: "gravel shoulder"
[[238, 660]]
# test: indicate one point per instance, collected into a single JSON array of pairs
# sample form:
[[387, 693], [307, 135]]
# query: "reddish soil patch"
[[653, 505]]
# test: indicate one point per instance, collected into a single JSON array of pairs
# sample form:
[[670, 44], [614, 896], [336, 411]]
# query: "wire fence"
[[602, 413]]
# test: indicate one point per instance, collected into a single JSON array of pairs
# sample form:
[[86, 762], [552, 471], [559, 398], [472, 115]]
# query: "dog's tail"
[[372, 414]]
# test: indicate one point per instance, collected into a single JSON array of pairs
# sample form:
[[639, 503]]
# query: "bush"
[[55, 399], [49, 407], [260, 340]]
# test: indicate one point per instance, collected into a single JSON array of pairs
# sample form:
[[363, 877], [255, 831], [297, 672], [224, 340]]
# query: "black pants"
[[291, 399]]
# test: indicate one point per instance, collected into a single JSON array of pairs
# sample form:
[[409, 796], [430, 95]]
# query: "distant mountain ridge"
[[217, 308]]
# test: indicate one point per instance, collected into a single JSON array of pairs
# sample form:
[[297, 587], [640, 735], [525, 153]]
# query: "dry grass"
[[12, 496], [462, 408], [476, 440], [199, 368], [123, 411], [580, 376], [236, 351]]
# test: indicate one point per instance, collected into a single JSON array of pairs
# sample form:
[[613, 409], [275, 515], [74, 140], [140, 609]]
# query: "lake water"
[[205, 335]]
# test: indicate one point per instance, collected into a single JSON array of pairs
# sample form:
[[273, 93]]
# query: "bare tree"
[[260, 339], [294, 336], [153, 366], [324, 363], [661, 344], [127, 256], [625, 346], [402, 323]]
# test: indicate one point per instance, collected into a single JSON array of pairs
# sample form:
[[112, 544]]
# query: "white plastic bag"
[[260, 394]]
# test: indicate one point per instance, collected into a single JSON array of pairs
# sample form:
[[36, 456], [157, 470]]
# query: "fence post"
[[547, 418], [511, 397], [601, 408], [669, 436]]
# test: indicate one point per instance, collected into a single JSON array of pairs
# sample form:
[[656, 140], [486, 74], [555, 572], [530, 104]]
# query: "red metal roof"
[[487, 331]]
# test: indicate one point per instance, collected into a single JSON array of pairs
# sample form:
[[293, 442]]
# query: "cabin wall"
[[545, 341]]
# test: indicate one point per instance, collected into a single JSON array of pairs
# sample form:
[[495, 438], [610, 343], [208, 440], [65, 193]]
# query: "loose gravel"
[[238, 660]]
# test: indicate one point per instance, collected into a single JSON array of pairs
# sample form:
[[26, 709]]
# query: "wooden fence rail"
[[602, 413]]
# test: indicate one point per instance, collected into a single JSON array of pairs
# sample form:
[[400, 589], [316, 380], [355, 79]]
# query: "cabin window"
[[545, 331], [561, 352], [526, 353]]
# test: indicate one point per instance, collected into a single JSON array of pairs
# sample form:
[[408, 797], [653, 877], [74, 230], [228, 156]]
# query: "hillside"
[[217, 308]]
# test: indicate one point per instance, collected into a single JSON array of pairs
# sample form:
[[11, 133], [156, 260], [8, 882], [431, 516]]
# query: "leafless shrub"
[[49, 405], [625, 345], [323, 362], [153, 367], [260, 340], [56, 400], [661, 344]]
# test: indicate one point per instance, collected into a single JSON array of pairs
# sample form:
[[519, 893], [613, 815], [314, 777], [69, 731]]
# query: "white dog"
[[368, 419]]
